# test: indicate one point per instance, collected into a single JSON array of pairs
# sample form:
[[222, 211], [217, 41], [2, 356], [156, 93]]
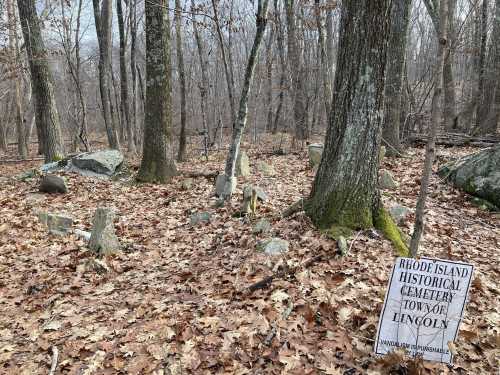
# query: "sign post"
[[423, 307]]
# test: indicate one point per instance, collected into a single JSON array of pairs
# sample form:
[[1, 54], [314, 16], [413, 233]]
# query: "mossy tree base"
[[156, 172], [384, 223]]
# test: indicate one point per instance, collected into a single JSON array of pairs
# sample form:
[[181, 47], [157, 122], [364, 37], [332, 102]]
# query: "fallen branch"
[[207, 175], [266, 281], [293, 209], [19, 160], [55, 357]]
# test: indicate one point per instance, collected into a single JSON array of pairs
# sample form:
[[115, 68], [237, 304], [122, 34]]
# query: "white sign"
[[423, 307]]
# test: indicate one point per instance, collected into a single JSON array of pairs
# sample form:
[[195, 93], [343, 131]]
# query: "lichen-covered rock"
[[53, 184], [102, 162], [261, 194], [386, 181], [342, 245], [187, 184], [242, 165], [477, 174], [103, 239], [56, 223], [315, 152], [273, 246]]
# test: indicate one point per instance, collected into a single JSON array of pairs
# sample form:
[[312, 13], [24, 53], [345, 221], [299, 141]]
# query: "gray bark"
[[181, 155]]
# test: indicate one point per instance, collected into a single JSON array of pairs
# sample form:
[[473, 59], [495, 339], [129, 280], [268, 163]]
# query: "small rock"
[[386, 181], [53, 184], [381, 154], [102, 162], [342, 245], [266, 169], [399, 213], [273, 246], [103, 239], [83, 234], [56, 223], [247, 192], [262, 226], [200, 217], [242, 164], [225, 186], [186, 184], [315, 152]]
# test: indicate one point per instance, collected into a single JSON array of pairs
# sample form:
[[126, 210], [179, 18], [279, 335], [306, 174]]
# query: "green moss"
[[58, 157], [388, 227], [337, 231]]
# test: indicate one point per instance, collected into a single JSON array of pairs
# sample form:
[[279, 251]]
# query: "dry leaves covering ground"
[[175, 300]]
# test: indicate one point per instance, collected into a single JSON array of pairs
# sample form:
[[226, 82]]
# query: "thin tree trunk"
[[269, 76], [295, 58], [281, 52], [203, 85], [133, 69], [393, 92], [450, 100], [181, 156], [125, 107], [239, 126], [157, 162], [15, 58], [431, 144], [47, 117], [325, 79], [103, 17]]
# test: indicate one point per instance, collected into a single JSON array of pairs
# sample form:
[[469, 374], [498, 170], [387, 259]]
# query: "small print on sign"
[[423, 307]]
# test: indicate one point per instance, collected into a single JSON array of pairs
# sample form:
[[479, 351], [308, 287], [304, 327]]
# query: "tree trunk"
[[450, 101], [15, 58], [281, 52], [102, 17], [393, 91], [181, 156], [47, 117], [239, 126], [125, 107], [431, 144], [295, 58], [269, 76], [325, 76], [344, 191], [157, 163]]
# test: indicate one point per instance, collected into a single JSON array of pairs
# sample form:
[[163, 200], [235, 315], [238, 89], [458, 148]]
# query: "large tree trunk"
[[102, 17], [450, 100], [125, 107], [431, 143], [157, 162], [239, 126], [181, 155], [344, 191], [15, 59], [295, 58], [47, 117], [393, 91]]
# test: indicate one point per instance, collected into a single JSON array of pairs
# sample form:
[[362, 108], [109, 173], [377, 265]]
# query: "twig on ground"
[[55, 357]]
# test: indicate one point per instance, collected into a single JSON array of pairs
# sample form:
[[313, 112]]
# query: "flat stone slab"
[[102, 162]]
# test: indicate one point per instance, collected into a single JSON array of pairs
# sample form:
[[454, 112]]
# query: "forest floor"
[[176, 298]]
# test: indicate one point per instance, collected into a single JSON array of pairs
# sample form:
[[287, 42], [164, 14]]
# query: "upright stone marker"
[[103, 239], [423, 307]]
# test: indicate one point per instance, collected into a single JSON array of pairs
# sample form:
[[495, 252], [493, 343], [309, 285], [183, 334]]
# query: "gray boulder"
[[386, 181], [477, 174], [56, 223], [103, 239], [242, 165], [200, 217], [262, 226], [102, 162], [53, 184], [399, 213], [315, 152], [273, 246], [223, 186]]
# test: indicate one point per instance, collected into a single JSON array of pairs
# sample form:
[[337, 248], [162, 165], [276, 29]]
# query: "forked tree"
[[157, 162]]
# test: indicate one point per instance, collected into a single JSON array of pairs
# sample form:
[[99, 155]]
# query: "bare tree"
[[181, 156]]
